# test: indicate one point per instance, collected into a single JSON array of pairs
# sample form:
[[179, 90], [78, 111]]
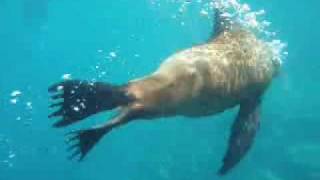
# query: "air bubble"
[[14, 101], [76, 108], [136, 55], [66, 76], [204, 12], [246, 8], [16, 93], [113, 54], [254, 22], [83, 105], [11, 155], [29, 105], [60, 88]]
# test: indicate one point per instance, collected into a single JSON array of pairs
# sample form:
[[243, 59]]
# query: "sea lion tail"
[[82, 99]]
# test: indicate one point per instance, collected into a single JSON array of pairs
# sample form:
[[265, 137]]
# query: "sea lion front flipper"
[[221, 22], [242, 136]]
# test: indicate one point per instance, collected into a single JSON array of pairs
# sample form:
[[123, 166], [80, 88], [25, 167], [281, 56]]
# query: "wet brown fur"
[[206, 79]]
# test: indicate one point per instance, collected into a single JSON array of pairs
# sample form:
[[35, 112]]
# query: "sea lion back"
[[241, 64], [217, 75]]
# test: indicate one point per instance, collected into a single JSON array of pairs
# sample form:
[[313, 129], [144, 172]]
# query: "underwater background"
[[118, 40]]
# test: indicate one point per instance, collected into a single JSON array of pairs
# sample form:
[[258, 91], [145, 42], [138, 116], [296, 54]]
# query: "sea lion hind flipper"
[[81, 99], [84, 140], [242, 136]]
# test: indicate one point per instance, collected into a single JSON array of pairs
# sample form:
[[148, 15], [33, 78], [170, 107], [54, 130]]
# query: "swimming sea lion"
[[233, 68]]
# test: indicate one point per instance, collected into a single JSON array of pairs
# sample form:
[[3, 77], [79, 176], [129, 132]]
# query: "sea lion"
[[233, 68]]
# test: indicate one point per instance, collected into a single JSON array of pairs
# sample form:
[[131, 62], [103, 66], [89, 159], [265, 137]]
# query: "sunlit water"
[[42, 42]]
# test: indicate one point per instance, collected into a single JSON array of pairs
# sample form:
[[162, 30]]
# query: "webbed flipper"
[[81, 142], [221, 22], [82, 99], [243, 133]]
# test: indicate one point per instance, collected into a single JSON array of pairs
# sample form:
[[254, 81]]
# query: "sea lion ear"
[[242, 135]]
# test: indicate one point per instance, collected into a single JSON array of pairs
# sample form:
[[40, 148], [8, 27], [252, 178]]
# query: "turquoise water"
[[42, 40]]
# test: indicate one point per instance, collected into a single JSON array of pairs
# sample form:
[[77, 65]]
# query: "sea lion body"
[[233, 68], [208, 78]]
